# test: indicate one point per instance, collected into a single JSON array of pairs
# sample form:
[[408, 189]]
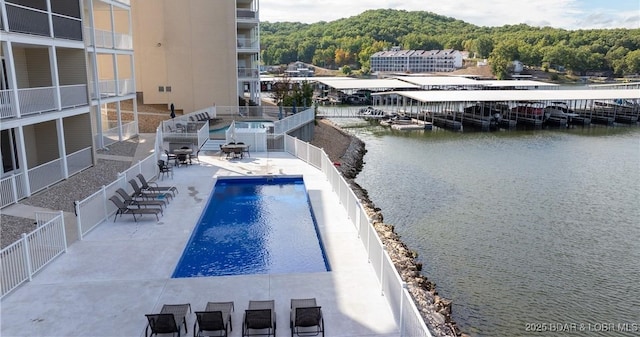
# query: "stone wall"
[[347, 153]]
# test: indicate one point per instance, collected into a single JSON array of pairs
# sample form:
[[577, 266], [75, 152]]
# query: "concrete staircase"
[[212, 145]]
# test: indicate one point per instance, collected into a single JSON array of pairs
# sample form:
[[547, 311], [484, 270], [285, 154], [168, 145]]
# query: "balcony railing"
[[67, 28], [36, 100], [246, 14], [73, 96], [12, 189], [248, 72], [126, 87], [107, 39], [33, 21], [26, 20], [6, 104], [108, 88], [248, 43]]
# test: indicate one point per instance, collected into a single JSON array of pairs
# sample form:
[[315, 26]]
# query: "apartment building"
[[197, 53], [416, 61], [66, 75]]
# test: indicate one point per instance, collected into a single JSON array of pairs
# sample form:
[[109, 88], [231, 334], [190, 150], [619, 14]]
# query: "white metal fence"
[[97, 208], [12, 189], [392, 287], [25, 257]]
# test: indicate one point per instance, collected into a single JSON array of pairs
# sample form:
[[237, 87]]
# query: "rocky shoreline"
[[348, 153]]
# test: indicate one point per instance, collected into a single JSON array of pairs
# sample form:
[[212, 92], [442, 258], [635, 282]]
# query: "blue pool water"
[[244, 125], [254, 226]]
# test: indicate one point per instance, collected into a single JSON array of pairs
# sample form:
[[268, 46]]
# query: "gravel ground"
[[62, 195]]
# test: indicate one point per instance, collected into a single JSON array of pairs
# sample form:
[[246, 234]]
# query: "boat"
[[490, 112], [559, 112]]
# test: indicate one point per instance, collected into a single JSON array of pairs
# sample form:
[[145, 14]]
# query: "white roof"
[[269, 78], [342, 84], [438, 80], [515, 95], [464, 81], [515, 83]]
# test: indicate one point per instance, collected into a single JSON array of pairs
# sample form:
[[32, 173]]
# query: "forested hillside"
[[353, 40]]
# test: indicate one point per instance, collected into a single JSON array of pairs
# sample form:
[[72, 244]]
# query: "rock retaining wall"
[[435, 310]]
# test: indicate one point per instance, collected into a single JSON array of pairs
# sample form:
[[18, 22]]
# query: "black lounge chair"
[[260, 316], [216, 318], [306, 318], [139, 193], [130, 201], [170, 320], [124, 209], [153, 187]]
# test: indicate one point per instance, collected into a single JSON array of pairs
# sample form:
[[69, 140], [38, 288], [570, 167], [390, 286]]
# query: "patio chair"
[[124, 209], [164, 169], [306, 318], [216, 317], [245, 149], [170, 320], [139, 193], [260, 316], [153, 187], [130, 201], [171, 157]]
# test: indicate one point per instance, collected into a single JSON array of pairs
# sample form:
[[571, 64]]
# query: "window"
[[160, 89]]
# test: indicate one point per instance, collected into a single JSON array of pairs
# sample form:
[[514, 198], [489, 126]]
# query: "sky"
[[566, 14]]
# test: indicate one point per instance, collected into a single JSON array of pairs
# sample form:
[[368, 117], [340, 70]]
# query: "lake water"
[[530, 233]]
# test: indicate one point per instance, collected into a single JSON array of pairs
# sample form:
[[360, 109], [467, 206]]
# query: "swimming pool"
[[254, 226], [257, 124]]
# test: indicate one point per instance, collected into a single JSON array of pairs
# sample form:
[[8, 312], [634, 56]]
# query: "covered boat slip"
[[526, 106]]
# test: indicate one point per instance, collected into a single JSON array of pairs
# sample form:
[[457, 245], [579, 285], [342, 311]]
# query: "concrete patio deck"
[[120, 271]]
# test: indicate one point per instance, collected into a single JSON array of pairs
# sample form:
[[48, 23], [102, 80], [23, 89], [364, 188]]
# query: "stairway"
[[212, 145]]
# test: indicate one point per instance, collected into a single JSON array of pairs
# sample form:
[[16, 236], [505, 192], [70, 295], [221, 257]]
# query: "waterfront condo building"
[[67, 70], [197, 53], [416, 61]]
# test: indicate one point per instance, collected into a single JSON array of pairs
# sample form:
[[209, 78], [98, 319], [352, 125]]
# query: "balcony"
[[246, 18], [107, 39], [249, 73], [248, 45], [38, 100], [27, 20], [113, 88]]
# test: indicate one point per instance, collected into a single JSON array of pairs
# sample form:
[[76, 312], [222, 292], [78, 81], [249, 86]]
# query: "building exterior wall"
[[416, 61], [50, 100], [186, 52]]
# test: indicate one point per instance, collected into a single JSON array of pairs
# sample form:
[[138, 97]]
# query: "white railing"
[[97, 208], [79, 160], [12, 189], [45, 175], [73, 95], [36, 100], [294, 121], [104, 39], [6, 106], [107, 39], [126, 87], [107, 88], [112, 135], [123, 41], [249, 72], [394, 289], [248, 43], [25, 257]]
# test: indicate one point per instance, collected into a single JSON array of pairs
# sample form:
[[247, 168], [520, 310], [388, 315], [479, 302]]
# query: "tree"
[[346, 70]]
